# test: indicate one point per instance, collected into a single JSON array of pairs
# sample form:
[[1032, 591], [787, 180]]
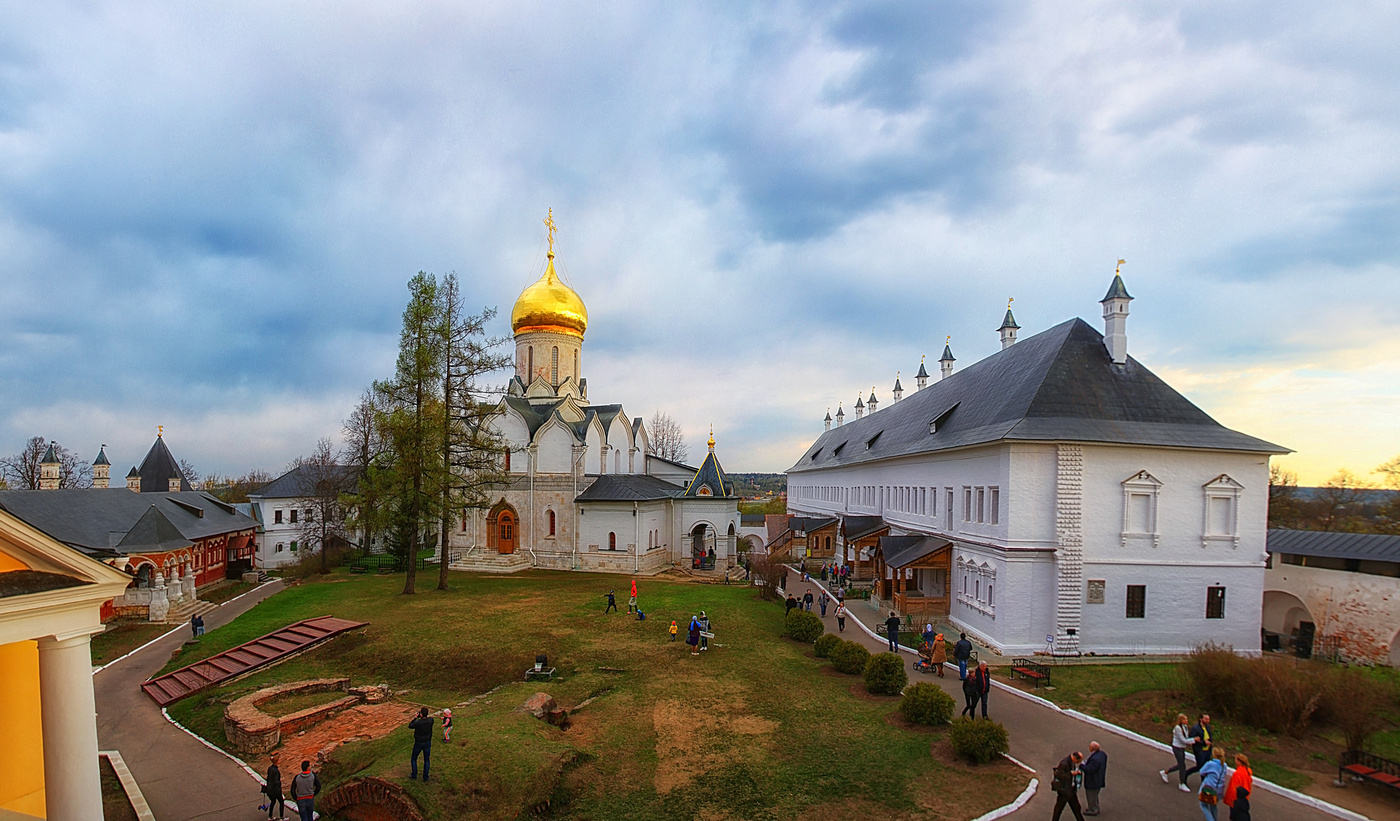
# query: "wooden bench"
[[1363, 766], [358, 567], [1027, 669]]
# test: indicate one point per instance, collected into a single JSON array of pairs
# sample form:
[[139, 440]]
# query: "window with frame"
[[464, 521], [506, 460], [1221, 516], [294, 515], [277, 517], [967, 503], [551, 523], [294, 545], [994, 505], [554, 366], [1137, 601], [1215, 602], [981, 505], [612, 541], [1140, 495]]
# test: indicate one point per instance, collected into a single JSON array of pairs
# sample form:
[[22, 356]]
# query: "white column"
[[72, 784]]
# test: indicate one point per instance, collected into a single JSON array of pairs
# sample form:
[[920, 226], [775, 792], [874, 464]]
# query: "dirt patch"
[[364, 721], [692, 739]]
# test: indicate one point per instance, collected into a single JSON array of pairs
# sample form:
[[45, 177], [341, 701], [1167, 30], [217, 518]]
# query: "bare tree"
[[1337, 502], [1285, 509], [667, 438], [191, 475], [235, 490], [22, 472], [321, 485]]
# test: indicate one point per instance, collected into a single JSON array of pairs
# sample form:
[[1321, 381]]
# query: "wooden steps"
[[216, 669]]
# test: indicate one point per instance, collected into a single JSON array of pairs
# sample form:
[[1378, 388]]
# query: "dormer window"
[[869, 443], [941, 419], [838, 449]]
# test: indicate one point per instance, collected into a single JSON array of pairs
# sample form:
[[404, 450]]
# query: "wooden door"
[[505, 534]]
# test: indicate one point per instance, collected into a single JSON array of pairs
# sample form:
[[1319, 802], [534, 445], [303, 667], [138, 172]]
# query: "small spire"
[[160, 431], [1009, 322], [549, 224], [859, 403], [828, 414], [1117, 290], [947, 351], [923, 373], [712, 437]]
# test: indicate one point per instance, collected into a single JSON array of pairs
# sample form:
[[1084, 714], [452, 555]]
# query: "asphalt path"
[[180, 777]]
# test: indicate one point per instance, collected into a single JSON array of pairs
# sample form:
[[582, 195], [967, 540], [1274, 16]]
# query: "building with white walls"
[[1086, 505]]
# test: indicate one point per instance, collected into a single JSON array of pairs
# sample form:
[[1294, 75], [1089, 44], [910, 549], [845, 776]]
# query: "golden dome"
[[549, 305]]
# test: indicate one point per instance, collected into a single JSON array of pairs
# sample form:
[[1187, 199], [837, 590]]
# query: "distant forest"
[[1346, 502]]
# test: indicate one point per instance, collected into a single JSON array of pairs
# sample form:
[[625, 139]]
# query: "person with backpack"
[[1065, 783], [1212, 784], [273, 790], [674, 629], [305, 786], [962, 651], [422, 728]]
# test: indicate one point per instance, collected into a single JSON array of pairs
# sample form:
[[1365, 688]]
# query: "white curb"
[[178, 628]]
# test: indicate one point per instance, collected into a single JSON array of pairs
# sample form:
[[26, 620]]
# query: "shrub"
[[1266, 693], [803, 626], [850, 658], [884, 674], [1357, 703], [978, 741], [824, 644], [926, 703]]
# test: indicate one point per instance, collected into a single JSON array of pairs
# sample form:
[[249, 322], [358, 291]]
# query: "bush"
[[1357, 703], [850, 658], [803, 626], [926, 703], [824, 644], [1266, 693], [978, 741], [884, 674]]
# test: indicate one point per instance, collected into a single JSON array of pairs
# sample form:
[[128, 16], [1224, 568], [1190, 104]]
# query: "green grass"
[[122, 637], [1084, 686], [224, 592], [751, 729], [1281, 776]]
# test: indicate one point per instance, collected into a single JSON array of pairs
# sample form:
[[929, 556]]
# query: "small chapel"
[[584, 490]]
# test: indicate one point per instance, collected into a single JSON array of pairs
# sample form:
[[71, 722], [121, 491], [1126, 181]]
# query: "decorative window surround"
[[986, 575], [1221, 492], [1141, 484]]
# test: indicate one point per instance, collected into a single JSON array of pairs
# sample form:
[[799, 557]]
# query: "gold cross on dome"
[[549, 223]]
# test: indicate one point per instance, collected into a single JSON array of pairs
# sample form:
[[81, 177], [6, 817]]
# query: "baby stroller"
[[925, 662]]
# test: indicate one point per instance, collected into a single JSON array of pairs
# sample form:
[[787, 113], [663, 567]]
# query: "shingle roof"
[[807, 524], [710, 475], [101, 457], [751, 519], [947, 354], [50, 458], [922, 371], [152, 533], [1058, 385], [855, 527], [158, 468], [900, 551], [299, 483], [628, 487], [1116, 290], [1367, 546], [97, 520], [1009, 322]]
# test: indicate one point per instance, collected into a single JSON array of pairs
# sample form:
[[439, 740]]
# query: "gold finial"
[[1120, 267], [948, 341], [160, 430], [922, 358], [712, 437], [1009, 300], [549, 223]]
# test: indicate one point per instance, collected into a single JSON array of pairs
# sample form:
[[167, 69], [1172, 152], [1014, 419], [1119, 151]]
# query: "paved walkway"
[[180, 777], [1041, 736]]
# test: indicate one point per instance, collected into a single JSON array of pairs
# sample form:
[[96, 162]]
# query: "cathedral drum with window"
[[1056, 496], [583, 490]]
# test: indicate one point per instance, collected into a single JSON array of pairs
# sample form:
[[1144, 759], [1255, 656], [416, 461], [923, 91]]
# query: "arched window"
[[551, 523], [554, 366], [530, 371], [464, 521], [612, 541], [507, 460], [576, 376]]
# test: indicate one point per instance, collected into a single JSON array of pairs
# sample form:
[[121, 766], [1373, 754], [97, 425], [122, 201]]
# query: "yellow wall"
[[21, 734]]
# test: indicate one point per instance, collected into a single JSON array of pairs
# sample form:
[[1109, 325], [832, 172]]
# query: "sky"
[[209, 211]]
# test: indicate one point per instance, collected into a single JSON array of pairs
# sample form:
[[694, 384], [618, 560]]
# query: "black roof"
[[900, 551], [153, 533], [1116, 289], [710, 475], [1009, 321], [751, 519], [101, 457], [1058, 385], [1368, 546], [100, 521], [299, 482], [628, 487], [854, 527], [922, 372], [158, 468], [807, 524]]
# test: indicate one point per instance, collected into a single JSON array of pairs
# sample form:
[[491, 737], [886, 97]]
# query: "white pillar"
[[72, 784]]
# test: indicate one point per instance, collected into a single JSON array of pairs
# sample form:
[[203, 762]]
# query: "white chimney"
[[840, 416], [1115, 319], [872, 401], [860, 407], [1008, 328], [945, 362]]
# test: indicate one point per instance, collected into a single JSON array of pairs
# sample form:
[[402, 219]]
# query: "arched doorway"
[[502, 529], [1283, 612], [702, 553]]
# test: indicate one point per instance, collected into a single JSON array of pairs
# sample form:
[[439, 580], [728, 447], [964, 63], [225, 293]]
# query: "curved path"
[[1041, 736], [180, 777]]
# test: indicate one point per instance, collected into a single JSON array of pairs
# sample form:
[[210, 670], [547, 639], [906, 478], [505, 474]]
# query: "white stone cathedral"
[[584, 491]]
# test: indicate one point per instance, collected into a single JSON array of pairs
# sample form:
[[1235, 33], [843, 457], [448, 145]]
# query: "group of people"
[[933, 652], [1074, 771], [305, 786], [1219, 783], [835, 573]]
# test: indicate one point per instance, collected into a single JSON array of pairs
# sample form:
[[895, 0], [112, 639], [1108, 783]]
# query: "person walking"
[[422, 727], [791, 603], [840, 617], [1095, 768], [1239, 809], [705, 628], [674, 629], [1212, 784], [693, 638], [1241, 779], [305, 786], [940, 654], [892, 631], [807, 600], [982, 681], [632, 600], [1181, 742], [1065, 783], [821, 602], [273, 790], [446, 727], [612, 603], [1201, 747], [970, 694], [962, 651], [196, 626]]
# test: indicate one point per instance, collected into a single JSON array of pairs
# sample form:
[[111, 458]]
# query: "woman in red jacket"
[[1243, 777]]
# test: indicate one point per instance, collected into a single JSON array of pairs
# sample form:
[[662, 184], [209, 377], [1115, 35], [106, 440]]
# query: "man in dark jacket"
[[273, 790], [305, 786], [1063, 783], [422, 727], [892, 631], [981, 679], [791, 603], [1201, 747], [807, 601], [962, 651], [1095, 768]]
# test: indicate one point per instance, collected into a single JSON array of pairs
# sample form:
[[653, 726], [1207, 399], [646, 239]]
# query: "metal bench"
[[1363, 766], [1027, 669]]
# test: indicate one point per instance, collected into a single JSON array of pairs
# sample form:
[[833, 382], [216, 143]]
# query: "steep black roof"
[[101, 457], [99, 521], [1009, 322], [152, 533], [158, 468], [710, 475], [50, 458], [628, 487], [1116, 290], [1058, 385], [922, 371], [1366, 546]]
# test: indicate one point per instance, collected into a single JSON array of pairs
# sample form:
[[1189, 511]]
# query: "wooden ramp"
[[259, 652]]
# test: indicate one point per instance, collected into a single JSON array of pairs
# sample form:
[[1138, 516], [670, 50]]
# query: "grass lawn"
[[754, 728], [121, 637], [224, 592]]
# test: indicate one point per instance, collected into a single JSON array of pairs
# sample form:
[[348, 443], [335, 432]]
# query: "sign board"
[[1095, 591]]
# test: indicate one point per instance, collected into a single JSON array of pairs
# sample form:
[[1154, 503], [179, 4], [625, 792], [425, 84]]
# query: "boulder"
[[540, 705]]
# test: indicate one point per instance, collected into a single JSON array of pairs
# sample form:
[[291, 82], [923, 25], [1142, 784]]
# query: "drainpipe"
[[636, 541], [534, 560], [578, 460]]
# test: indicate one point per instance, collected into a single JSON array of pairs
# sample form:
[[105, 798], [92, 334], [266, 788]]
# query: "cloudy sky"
[[208, 211]]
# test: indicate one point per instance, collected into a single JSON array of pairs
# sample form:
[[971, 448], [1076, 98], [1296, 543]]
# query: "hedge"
[[850, 658], [803, 626], [824, 644], [926, 703], [884, 674], [978, 741]]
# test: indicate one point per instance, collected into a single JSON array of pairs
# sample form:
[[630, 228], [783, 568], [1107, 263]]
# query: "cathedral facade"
[[585, 492]]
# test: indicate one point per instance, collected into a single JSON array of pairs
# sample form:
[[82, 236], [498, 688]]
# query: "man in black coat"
[[1201, 748], [273, 790], [981, 679], [1066, 791], [1095, 768], [807, 601], [892, 631], [791, 603], [422, 728], [962, 651]]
